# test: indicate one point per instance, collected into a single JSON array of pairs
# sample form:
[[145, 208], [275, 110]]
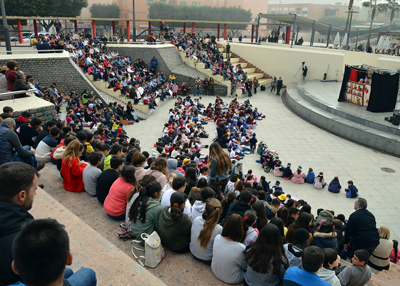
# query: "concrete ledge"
[[350, 130], [363, 120], [92, 250]]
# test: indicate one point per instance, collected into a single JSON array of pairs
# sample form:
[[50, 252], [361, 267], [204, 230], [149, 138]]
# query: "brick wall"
[[53, 70], [45, 113]]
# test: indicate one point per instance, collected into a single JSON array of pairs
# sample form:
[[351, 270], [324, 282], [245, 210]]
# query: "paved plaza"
[[304, 144]]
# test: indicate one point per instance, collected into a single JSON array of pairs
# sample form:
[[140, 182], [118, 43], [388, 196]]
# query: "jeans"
[[304, 78], [28, 160], [117, 218], [82, 277], [197, 91]]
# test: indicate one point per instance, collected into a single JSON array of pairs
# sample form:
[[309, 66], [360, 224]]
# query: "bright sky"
[[328, 2]]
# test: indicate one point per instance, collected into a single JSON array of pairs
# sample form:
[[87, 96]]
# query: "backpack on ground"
[[153, 250]]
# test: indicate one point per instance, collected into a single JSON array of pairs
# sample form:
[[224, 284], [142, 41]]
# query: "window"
[[305, 11], [298, 11], [163, 1], [182, 3], [194, 4], [125, 2], [125, 15], [273, 9], [149, 2], [285, 10], [291, 10]]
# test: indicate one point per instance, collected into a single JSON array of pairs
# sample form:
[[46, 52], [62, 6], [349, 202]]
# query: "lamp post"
[[5, 27], [134, 22], [351, 18]]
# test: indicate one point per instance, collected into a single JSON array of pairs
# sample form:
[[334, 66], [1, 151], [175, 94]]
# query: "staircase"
[[251, 70]]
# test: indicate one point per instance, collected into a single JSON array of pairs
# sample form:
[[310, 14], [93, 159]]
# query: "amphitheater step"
[[249, 70], [255, 75], [90, 249]]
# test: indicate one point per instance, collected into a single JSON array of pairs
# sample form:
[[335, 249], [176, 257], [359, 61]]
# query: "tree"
[[371, 4], [348, 15], [45, 8], [337, 21], [160, 10], [394, 7], [105, 11]]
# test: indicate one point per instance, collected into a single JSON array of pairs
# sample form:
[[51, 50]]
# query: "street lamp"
[[5, 27], [351, 18]]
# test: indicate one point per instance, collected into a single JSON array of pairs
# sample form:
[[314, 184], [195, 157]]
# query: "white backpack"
[[153, 252]]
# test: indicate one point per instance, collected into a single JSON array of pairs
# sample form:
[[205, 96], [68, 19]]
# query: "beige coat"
[[160, 177], [382, 251]]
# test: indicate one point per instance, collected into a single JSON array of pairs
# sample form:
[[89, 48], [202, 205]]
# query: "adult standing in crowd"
[[361, 232], [220, 164], [279, 86]]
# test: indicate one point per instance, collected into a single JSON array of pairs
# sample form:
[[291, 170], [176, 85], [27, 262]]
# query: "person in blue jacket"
[[334, 185], [351, 190], [310, 176]]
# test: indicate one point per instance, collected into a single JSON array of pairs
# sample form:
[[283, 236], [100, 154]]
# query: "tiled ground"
[[297, 142]]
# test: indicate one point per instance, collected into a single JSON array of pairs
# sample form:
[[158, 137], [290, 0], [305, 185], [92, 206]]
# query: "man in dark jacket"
[[361, 231], [11, 148], [279, 86], [240, 206], [20, 83], [18, 182]]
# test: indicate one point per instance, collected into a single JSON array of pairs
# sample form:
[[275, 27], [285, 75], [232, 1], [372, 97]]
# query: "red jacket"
[[72, 174]]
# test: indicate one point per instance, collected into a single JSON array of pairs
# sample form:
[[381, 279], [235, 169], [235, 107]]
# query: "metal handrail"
[[17, 92]]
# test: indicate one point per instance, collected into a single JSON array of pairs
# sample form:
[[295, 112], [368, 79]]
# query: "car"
[[26, 37]]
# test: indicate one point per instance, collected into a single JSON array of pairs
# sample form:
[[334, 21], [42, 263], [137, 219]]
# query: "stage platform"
[[316, 102]]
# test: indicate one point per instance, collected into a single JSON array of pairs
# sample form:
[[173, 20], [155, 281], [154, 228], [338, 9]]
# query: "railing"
[[12, 93], [34, 51]]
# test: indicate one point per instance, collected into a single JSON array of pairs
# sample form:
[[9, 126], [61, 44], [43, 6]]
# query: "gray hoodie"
[[329, 276], [197, 209], [172, 165]]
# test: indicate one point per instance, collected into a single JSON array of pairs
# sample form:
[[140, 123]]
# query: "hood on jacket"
[[240, 205], [172, 164], [272, 208], [166, 218], [152, 203], [324, 235], [325, 215], [195, 189], [199, 206], [22, 119], [59, 152], [12, 217], [326, 274]]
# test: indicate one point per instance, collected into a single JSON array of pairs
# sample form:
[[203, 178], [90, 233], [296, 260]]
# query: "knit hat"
[[300, 168], [320, 174], [289, 164], [137, 141], [300, 235], [177, 198]]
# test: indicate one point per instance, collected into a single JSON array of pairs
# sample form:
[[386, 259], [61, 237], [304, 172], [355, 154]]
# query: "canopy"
[[379, 46], [300, 21], [344, 41], [386, 44], [336, 42]]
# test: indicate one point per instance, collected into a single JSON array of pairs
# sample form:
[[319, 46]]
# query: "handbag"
[[153, 251]]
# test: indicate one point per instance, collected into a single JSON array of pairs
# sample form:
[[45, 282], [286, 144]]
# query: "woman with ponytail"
[[174, 225], [251, 233], [145, 210], [204, 230]]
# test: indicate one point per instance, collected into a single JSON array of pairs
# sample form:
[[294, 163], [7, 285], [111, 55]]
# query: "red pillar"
[[193, 27], [218, 33], [287, 40], [76, 26], [128, 32], [252, 33], [19, 31], [149, 27], [184, 28], [94, 28], [225, 37], [113, 27], [35, 28]]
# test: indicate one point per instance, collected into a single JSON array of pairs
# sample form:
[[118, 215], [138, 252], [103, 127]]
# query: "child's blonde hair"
[[171, 177]]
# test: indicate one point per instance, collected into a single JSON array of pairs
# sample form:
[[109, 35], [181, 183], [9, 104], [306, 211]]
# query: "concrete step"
[[243, 65], [90, 249], [233, 60], [221, 50], [249, 70], [264, 81], [255, 75]]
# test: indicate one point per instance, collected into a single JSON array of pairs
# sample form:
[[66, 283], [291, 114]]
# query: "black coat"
[[12, 217], [239, 207], [361, 229]]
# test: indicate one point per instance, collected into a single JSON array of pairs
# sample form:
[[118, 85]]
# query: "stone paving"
[[302, 143]]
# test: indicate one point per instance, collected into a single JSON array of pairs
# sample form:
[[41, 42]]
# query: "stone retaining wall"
[[44, 113]]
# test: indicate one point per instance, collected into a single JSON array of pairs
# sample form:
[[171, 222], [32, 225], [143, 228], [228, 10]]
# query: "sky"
[[343, 2]]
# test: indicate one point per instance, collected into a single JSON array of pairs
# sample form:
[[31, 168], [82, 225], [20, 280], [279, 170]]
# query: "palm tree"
[[371, 4], [394, 7], [348, 15]]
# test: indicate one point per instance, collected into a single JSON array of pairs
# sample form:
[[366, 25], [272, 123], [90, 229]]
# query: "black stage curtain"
[[383, 92], [346, 78]]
